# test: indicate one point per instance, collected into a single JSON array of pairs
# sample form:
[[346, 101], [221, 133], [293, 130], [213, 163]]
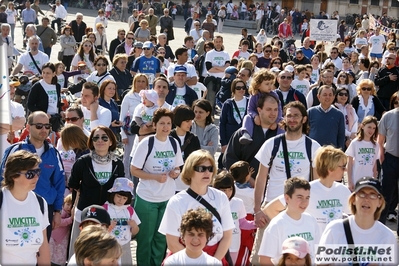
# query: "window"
[[354, 1], [395, 3], [375, 2]]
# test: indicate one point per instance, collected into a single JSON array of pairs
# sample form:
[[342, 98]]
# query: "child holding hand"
[[124, 220]]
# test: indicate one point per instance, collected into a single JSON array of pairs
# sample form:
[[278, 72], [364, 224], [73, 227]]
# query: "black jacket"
[[78, 32], [123, 79], [189, 97], [387, 86], [112, 47], [120, 49], [38, 98], [378, 107], [192, 145], [83, 178]]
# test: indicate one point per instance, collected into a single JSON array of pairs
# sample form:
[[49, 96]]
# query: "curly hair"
[[258, 78]]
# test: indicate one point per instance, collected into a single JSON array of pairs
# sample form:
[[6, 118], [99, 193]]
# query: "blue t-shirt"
[[149, 66]]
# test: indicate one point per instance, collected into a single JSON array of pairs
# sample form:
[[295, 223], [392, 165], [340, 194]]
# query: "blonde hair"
[[377, 212], [195, 159], [328, 159], [258, 78], [136, 77], [68, 199], [367, 82]]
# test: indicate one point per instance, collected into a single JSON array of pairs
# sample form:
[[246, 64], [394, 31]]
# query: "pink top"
[[59, 233]]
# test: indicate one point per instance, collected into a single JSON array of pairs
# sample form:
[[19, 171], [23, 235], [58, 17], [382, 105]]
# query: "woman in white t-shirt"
[[86, 54], [23, 213], [366, 203], [156, 162], [11, 18], [198, 172]]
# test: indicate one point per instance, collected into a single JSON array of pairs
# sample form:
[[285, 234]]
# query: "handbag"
[[60, 55]]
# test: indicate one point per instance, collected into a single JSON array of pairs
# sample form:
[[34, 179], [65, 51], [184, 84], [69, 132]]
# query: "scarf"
[[367, 108], [103, 160]]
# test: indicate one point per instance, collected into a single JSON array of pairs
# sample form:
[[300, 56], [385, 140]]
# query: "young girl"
[[145, 110], [363, 152], [262, 82], [124, 220], [63, 76], [296, 251], [224, 181], [60, 236]]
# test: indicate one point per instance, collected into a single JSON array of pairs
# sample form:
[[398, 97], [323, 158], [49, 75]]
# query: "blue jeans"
[[47, 51]]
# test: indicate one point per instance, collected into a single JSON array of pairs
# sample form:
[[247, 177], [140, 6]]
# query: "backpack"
[[39, 199], [308, 145], [151, 140], [129, 208], [224, 92]]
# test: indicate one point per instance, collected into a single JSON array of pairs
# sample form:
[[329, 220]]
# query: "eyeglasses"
[[295, 117], [371, 196], [41, 125], [146, 49], [202, 169], [238, 88], [343, 94], [87, 45], [286, 77], [30, 174], [123, 62], [268, 51], [104, 138], [130, 38], [366, 89], [101, 65], [73, 119]]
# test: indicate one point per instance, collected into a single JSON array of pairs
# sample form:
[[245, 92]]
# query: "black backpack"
[[39, 199]]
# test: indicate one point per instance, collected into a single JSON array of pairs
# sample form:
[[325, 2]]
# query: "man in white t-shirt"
[[216, 61], [293, 221], [94, 114], [179, 92], [296, 125], [377, 43], [25, 62], [182, 56]]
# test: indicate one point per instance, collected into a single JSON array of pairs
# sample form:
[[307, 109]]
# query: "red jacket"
[[281, 31]]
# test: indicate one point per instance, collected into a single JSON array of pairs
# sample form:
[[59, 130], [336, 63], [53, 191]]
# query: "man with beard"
[[298, 147]]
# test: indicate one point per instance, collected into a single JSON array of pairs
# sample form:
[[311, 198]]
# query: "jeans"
[[47, 51], [12, 32], [242, 15]]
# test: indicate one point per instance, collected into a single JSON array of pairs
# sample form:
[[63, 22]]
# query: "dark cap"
[[231, 70], [368, 181], [95, 213]]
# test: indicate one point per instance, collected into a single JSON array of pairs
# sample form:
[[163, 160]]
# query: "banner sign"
[[323, 30]]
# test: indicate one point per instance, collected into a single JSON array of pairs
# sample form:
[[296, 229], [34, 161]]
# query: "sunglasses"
[[286, 77], [101, 65], [366, 89], [146, 49], [343, 94], [72, 119], [161, 53], [277, 63], [238, 88], [103, 138], [202, 169], [30, 174], [130, 38], [268, 51], [139, 48], [41, 125]]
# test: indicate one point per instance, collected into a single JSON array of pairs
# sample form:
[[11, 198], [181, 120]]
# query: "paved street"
[[231, 38]]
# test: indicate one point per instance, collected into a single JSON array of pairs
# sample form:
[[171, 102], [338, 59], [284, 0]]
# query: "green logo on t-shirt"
[[164, 154], [306, 235], [22, 222], [292, 155], [322, 204]]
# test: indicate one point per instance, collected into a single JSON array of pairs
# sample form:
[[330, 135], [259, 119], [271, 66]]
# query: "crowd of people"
[[134, 154]]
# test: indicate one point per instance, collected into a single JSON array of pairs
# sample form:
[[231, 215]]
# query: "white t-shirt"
[[240, 54], [162, 159], [190, 70], [364, 154], [328, 204], [180, 203], [302, 86], [217, 58], [144, 112], [181, 258], [334, 234], [103, 172], [247, 197], [22, 229], [103, 115], [298, 160], [377, 43], [89, 64], [242, 107], [314, 76], [180, 92], [199, 88], [237, 212], [282, 227], [17, 110], [361, 41], [51, 91], [121, 215], [26, 61], [99, 79]]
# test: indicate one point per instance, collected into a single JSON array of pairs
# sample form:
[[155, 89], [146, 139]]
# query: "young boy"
[[290, 222], [196, 230], [300, 83]]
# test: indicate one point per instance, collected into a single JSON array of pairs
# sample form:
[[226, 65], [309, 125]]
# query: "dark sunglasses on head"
[[30, 174], [104, 138], [202, 169], [366, 89], [286, 77], [41, 125], [342, 94], [72, 119]]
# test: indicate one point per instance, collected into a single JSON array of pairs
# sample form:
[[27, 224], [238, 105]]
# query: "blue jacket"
[[51, 183], [189, 97]]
